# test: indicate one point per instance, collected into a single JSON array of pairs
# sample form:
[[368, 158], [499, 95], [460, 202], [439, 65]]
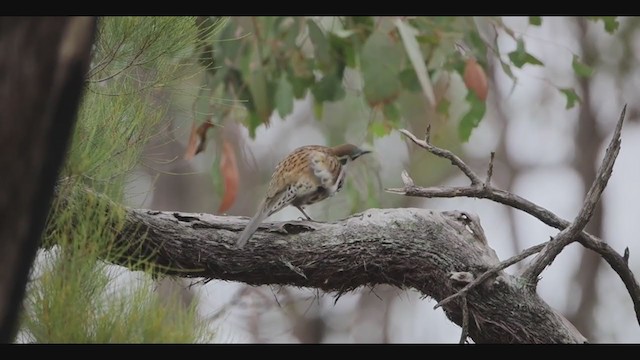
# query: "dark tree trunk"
[[43, 63]]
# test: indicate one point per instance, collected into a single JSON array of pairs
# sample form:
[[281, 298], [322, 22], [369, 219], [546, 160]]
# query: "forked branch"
[[569, 234], [484, 190]]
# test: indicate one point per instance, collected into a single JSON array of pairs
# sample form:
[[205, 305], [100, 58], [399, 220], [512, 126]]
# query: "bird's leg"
[[304, 213]]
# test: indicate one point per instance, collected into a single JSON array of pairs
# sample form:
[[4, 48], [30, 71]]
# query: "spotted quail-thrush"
[[309, 174]]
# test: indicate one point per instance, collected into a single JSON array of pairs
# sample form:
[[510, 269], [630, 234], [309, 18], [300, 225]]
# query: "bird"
[[306, 176]]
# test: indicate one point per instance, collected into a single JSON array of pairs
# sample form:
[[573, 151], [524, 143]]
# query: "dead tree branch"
[[491, 272], [405, 248], [569, 234], [481, 190]]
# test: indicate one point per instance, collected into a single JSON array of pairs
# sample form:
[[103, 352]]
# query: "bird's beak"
[[362, 152]]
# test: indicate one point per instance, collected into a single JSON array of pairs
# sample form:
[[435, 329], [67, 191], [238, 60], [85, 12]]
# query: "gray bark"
[[406, 248]]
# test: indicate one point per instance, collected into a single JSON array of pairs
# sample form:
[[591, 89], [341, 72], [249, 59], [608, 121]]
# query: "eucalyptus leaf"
[[391, 113], [260, 94], [284, 97], [472, 118], [329, 88], [378, 129], [521, 57], [581, 69], [412, 47], [409, 80], [611, 24], [572, 97], [381, 61], [320, 47]]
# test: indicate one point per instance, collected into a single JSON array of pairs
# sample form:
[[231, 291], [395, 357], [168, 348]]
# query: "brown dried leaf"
[[229, 171], [197, 139]]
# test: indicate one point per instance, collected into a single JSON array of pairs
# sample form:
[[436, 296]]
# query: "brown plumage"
[[308, 175]]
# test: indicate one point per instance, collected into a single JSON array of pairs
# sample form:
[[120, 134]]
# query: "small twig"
[[235, 300], [490, 170], [625, 257], [455, 160], [293, 268], [106, 60], [275, 297], [611, 256], [465, 320], [495, 269], [131, 64], [569, 234]]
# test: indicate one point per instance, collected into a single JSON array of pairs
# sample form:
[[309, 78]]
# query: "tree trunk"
[[42, 70]]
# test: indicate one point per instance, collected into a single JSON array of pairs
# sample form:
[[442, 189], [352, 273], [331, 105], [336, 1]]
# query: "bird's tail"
[[252, 226]]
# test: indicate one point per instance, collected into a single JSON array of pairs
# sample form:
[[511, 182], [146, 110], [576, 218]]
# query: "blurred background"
[[543, 93]]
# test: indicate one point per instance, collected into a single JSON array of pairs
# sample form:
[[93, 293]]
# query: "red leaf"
[[229, 171], [475, 79]]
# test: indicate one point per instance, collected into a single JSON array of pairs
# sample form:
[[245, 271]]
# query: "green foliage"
[[378, 129], [610, 23], [381, 61], [581, 69], [409, 80], [507, 70], [260, 88], [391, 113], [71, 297], [329, 88], [472, 118], [520, 57], [126, 45], [572, 97], [443, 107], [284, 97], [270, 61]]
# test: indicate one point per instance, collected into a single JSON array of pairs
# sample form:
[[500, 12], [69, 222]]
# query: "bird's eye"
[[343, 161]]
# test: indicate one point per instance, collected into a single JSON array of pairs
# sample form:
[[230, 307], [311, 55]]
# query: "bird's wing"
[[288, 171], [280, 199], [327, 170], [301, 173]]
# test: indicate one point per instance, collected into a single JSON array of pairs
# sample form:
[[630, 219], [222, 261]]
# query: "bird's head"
[[348, 152]]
